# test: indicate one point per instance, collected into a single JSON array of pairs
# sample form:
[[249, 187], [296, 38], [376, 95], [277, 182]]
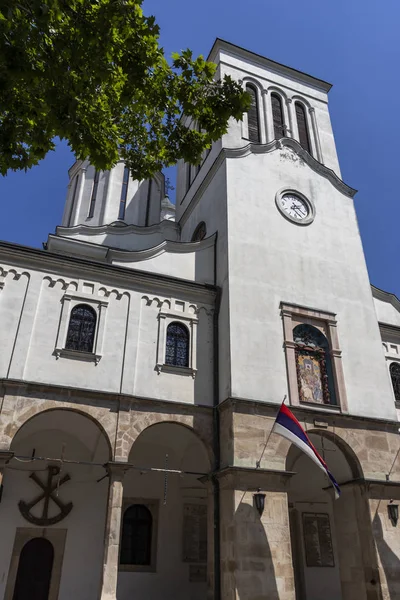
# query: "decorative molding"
[[117, 227], [385, 297], [77, 355], [166, 246]]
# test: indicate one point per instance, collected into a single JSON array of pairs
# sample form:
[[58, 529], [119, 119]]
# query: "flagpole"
[[258, 463]]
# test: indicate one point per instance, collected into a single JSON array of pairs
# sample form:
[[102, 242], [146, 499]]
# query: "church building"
[[147, 348]]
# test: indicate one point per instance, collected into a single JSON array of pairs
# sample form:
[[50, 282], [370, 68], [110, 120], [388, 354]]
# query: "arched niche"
[[179, 506]]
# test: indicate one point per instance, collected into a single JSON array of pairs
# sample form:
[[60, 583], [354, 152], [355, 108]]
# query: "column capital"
[[117, 468]]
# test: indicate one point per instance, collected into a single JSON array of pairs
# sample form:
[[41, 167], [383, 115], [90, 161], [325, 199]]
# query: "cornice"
[[386, 297], [117, 228], [166, 246], [299, 150], [295, 74], [251, 148], [66, 265]]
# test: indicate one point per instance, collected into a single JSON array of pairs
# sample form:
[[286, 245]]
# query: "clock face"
[[294, 206]]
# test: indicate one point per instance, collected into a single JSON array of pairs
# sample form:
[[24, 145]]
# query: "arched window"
[[136, 537], [124, 193], [94, 194], [252, 115], [81, 329], [302, 126], [200, 232], [277, 116], [313, 364], [395, 376], [177, 349]]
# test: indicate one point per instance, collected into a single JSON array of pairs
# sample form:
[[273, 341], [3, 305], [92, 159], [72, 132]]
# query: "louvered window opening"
[[177, 347], [252, 115], [277, 116], [81, 329], [395, 376], [94, 194], [302, 126], [73, 199], [124, 193], [136, 536]]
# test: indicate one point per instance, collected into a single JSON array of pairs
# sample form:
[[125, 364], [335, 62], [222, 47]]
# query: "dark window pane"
[[252, 115], [277, 115], [81, 329], [302, 127], [124, 193], [136, 536], [177, 351], [94, 194], [395, 375], [200, 232], [34, 570]]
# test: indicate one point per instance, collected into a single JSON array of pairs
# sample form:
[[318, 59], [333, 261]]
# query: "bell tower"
[[289, 250]]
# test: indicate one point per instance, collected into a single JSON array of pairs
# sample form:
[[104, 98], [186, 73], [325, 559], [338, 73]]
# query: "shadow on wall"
[[389, 560], [254, 570]]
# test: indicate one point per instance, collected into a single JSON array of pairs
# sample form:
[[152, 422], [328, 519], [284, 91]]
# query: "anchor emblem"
[[47, 494]]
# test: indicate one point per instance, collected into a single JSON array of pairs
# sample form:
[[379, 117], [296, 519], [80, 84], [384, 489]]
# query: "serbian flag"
[[288, 426]]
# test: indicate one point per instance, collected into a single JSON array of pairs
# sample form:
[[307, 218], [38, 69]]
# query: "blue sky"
[[350, 43]]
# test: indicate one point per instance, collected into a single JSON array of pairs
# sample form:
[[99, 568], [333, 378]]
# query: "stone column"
[[292, 131], [317, 142], [116, 472], [256, 557], [269, 125], [5, 457]]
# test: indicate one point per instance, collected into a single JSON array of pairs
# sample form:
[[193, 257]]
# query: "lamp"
[[393, 512], [259, 501]]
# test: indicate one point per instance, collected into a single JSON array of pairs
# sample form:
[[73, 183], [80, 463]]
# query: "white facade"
[[121, 409]]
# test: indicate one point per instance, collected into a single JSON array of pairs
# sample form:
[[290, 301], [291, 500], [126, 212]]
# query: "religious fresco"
[[311, 355], [309, 369]]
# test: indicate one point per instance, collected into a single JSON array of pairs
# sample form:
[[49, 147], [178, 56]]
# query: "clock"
[[295, 207]]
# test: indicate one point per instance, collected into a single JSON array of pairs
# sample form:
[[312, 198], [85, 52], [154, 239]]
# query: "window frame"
[[91, 311], [152, 505], [68, 302], [394, 363], [293, 315], [275, 94], [183, 313], [299, 104], [256, 108], [184, 328]]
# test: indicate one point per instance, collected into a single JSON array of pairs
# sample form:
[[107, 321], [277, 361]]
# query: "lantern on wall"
[[393, 512], [259, 502]]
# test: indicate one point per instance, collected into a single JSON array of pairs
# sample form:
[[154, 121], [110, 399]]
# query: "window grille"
[[177, 348], [136, 536], [395, 376], [81, 329]]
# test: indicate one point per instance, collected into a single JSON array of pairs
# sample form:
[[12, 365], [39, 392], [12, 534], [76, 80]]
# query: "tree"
[[92, 72]]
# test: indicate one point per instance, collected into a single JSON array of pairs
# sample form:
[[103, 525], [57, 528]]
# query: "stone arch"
[[40, 409], [348, 452], [146, 420]]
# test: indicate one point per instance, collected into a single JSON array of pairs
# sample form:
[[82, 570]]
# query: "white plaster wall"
[[319, 266], [82, 564], [128, 353], [387, 313]]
